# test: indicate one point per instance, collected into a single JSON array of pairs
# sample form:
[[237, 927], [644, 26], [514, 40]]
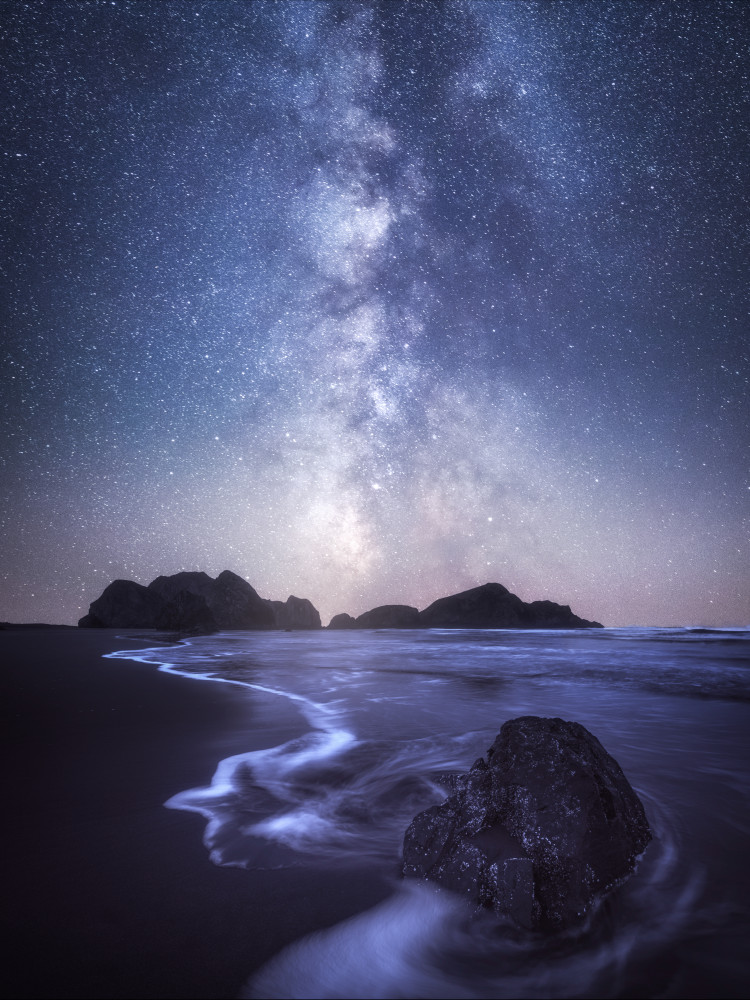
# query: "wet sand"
[[107, 893]]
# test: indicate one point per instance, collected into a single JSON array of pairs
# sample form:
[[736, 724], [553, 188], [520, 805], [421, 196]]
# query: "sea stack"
[[194, 602]]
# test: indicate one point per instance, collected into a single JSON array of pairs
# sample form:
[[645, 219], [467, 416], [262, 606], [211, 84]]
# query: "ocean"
[[389, 713]]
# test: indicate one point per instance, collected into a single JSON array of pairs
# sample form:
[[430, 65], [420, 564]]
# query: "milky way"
[[374, 302]]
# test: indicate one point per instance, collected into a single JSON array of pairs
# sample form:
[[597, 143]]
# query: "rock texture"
[[295, 613], [193, 602], [538, 831], [493, 606]]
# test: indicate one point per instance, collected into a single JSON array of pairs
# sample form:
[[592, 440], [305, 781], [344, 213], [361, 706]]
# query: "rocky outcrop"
[[294, 613], [389, 616], [538, 831], [489, 606], [493, 606], [231, 600], [342, 621], [124, 604], [187, 612], [193, 602], [386, 616]]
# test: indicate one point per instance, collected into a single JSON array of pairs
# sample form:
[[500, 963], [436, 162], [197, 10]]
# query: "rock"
[[493, 606], [187, 613], [233, 603], [547, 614], [168, 587], [539, 831], [193, 602], [389, 616], [295, 612], [342, 621], [237, 605], [124, 604]]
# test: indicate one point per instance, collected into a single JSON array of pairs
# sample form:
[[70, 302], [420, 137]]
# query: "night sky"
[[375, 302]]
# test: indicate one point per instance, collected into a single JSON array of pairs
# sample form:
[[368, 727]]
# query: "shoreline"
[[108, 893]]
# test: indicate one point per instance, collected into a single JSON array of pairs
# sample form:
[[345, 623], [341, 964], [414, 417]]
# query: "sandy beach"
[[106, 892]]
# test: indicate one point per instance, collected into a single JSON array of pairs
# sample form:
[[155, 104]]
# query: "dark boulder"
[[389, 616], [124, 604], [295, 613], [493, 606], [539, 831], [342, 621]]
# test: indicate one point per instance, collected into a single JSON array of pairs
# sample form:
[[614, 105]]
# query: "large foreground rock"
[[538, 831], [494, 606]]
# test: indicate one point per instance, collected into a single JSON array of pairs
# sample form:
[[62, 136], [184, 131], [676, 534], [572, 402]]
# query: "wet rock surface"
[[538, 831]]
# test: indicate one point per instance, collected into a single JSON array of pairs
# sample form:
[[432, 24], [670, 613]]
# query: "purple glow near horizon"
[[372, 303]]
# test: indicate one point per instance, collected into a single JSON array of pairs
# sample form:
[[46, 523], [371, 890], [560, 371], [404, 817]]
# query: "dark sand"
[[106, 893]]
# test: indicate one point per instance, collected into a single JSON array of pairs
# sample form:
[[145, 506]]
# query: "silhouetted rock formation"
[[342, 621], [537, 832], [389, 616], [489, 606], [295, 612], [193, 602], [124, 604], [231, 600], [187, 612], [493, 606]]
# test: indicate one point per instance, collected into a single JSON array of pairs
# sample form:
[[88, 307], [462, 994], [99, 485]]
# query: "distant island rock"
[[194, 602], [342, 621], [488, 606], [538, 831], [295, 612], [386, 616]]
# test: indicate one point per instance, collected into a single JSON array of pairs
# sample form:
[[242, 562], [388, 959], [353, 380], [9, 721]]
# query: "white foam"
[[384, 952]]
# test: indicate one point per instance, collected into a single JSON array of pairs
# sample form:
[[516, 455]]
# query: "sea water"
[[388, 714]]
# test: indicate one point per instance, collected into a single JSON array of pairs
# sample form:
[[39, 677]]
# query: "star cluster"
[[372, 302]]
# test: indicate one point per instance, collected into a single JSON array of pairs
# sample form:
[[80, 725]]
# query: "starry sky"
[[372, 302]]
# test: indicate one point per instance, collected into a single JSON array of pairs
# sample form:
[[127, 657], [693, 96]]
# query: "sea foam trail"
[[388, 951], [328, 793], [296, 825]]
